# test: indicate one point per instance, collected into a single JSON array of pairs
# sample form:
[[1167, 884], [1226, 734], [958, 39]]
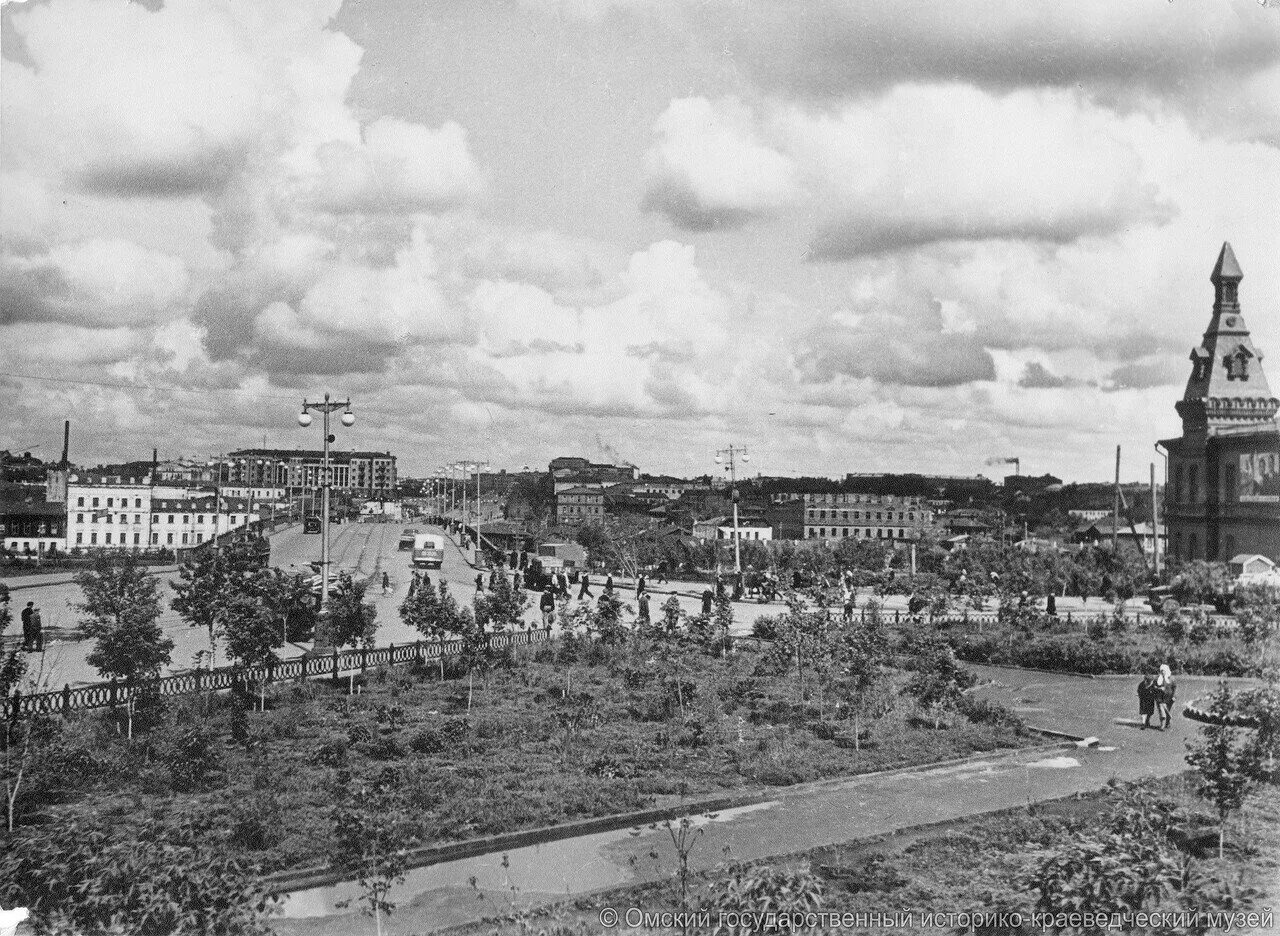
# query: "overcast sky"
[[899, 236]]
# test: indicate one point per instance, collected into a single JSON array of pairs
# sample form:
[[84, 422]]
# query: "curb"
[[306, 878]]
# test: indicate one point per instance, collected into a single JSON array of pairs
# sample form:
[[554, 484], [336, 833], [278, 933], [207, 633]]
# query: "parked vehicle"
[[407, 536], [428, 550]]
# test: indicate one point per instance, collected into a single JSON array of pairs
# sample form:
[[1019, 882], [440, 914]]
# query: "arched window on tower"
[[1237, 363]]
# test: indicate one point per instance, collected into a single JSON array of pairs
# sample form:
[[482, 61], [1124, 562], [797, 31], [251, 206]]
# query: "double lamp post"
[[326, 407]]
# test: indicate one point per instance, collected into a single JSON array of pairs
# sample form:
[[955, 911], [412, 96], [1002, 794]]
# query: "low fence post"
[[391, 654], [66, 699], [364, 658], [335, 664], [115, 693], [897, 616], [15, 706], [271, 669]]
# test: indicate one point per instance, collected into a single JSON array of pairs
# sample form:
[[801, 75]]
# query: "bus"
[[311, 525], [428, 550], [407, 536]]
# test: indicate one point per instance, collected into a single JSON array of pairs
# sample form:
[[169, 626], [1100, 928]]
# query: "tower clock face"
[[1231, 321]]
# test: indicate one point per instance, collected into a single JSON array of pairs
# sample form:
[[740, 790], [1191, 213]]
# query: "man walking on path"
[[479, 583], [707, 599], [37, 632], [585, 590], [547, 605], [643, 616], [640, 585], [386, 583]]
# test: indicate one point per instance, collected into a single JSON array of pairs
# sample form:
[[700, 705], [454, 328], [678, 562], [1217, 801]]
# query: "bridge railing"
[[311, 666]]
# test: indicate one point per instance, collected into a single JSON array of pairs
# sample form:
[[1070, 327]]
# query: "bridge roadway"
[[363, 549]]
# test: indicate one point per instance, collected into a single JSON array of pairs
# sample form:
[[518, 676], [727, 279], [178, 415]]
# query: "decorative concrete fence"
[[332, 665]]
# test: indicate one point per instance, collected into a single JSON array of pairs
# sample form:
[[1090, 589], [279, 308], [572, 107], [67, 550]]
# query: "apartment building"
[[865, 516]]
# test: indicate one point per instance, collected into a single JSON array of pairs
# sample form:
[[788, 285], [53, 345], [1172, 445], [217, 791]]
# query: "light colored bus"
[[428, 550]]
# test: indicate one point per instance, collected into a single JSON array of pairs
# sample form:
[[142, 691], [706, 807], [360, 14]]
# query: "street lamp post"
[[304, 419], [729, 458]]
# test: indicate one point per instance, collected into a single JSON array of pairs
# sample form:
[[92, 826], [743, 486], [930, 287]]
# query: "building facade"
[[33, 527], [1222, 487], [865, 516], [579, 505], [370, 473], [131, 514]]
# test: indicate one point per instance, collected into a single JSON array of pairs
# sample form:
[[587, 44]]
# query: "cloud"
[[400, 167], [1165, 371], [1035, 376], [707, 170], [99, 282]]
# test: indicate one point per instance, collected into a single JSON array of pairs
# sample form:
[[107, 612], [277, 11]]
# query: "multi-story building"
[[580, 505], [1222, 487], [114, 512], [32, 526], [865, 516], [370, 473], [571, 472]]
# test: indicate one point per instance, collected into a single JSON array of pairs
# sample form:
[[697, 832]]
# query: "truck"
[[428, 550]]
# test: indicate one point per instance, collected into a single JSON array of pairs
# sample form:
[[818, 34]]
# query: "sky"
[[851, 237]]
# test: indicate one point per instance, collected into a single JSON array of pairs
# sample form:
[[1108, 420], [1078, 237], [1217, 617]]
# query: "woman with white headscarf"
[[1165, 689]]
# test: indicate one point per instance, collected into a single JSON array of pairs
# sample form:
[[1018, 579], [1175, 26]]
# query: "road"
[[363, 549]]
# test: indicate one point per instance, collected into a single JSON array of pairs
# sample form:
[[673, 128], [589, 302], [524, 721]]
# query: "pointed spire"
[[1226, 268]]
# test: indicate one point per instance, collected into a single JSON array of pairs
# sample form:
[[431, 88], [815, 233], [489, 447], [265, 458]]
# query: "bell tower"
[[1227, 386]]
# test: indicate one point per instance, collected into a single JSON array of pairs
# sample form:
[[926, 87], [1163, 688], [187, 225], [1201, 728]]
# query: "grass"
[[545, 741], [980, 864]]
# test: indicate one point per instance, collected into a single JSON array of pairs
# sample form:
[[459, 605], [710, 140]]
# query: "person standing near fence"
[[547, 605], [26, 625]]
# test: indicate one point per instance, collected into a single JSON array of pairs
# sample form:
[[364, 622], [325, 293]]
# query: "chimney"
[[66, 444]]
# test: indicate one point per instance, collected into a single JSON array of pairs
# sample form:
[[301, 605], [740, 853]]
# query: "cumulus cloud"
[[708, 170], [98, 282], [1035, 376], [399, 167]]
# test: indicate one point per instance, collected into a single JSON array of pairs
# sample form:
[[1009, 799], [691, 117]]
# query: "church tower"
[[1227, 386], [1222, 487]]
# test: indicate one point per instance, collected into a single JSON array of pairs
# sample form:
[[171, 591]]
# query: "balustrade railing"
[[333, 665]]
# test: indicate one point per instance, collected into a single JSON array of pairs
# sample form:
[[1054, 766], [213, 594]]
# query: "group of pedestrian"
[[32, 629], [1155, 696]]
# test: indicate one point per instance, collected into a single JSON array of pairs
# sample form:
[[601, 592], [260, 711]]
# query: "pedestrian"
[[1051, 606], [1166, 686], [413, 585], [737, 586], [662, 572], [386, 583], [479, 583], [547, 605], [848, 604], [719, 587], [517, 579], [641, 584], [493, 578], [1147, 699], [26, 625], [643, 615], [707, 598], [585, 590], [37, 630]]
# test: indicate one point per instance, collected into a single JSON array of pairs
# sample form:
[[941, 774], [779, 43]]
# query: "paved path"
[[803, 818]]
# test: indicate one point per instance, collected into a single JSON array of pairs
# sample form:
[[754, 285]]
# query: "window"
[[93, 539], [155, 539], [111, 501], [79, 518], [1193, 486], [199, 518], [136, 538], [95, 502], [79, 501], [169, 539], [186, 518], [184, 539], [1237, 364], [137, 518], [171, 521], [155, 518], [79, 538], [137, 502], [108, 539], [1178, 478], [199, 537]]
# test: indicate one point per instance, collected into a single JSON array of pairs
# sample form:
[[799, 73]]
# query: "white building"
[[109, 512], [745, 531]]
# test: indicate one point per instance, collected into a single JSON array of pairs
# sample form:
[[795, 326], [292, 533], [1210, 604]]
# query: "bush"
[[331, 753], [986, 712], [192, 758]]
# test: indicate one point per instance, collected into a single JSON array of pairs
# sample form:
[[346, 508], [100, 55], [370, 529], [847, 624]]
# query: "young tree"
[[1228, 768], [122, 605], [205, 581], [253, 635], [424, 612], [371, 830], [351, 618], [289, 601]]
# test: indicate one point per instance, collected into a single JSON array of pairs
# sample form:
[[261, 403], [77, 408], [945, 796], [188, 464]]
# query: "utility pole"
[[1155, 523], [326, 479], [1115, 510], [730, 455]]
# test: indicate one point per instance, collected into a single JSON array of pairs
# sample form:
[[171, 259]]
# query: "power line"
[[136, 386]]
